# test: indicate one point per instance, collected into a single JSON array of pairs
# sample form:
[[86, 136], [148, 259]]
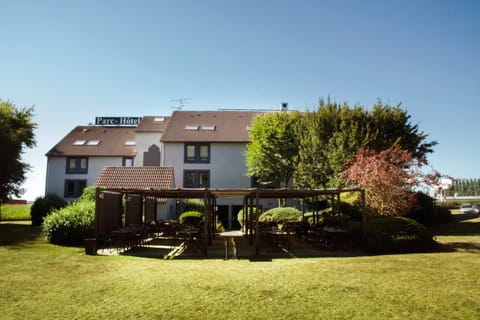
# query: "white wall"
[[227, 164], [143, 140], [56, 176]]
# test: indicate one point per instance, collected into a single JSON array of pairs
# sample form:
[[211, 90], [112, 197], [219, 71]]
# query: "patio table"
[[231, 235]]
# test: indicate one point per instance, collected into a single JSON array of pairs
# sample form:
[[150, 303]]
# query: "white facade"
[[56, 173], [227, 164], [143, 141]]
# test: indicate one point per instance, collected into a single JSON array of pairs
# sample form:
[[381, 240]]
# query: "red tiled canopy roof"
[[144, 178]]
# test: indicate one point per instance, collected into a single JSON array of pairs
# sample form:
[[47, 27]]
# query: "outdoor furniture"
[[231, 236]]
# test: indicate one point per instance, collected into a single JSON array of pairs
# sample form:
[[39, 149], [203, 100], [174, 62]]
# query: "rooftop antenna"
[[180, 103]]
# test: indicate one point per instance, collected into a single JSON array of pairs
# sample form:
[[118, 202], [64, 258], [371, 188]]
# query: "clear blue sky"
[[74, 60]]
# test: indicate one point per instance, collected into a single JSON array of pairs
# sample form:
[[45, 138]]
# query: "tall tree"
[[16, 134], [331, 135], [273, 150]]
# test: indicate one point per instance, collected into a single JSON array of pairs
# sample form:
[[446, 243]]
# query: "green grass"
[[40, 280], [10, 212]]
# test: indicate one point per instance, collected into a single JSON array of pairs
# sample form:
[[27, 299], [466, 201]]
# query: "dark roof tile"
[[95, 141], [229, 126]]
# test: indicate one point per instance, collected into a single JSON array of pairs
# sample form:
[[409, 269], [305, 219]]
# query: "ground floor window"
[[74, 188], [196, 179]]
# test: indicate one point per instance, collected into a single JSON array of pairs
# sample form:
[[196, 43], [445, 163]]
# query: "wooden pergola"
[[109, 205]]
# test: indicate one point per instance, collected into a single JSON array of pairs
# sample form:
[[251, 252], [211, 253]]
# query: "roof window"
[[159, 119], [191, 127], [93, 143], [208, 127], [79, 142], [129, 143]]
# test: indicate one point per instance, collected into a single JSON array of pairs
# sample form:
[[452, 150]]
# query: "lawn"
[[39, 280], [14, 212]]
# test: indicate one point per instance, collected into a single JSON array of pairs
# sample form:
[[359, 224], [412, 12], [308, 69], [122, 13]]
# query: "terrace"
[[140, 231]]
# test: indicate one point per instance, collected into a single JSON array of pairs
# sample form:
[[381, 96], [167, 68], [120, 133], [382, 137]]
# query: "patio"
[[134, 234]]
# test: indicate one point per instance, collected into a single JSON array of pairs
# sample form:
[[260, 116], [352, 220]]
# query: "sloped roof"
[[142, 178], [211, 126], [96, 141], [153, 124]]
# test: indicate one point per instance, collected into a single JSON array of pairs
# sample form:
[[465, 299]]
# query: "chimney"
[[284, 106]]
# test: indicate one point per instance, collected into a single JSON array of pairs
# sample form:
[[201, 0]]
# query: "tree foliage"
[[388, 178], [331, 135], [314, 147], [466, 187], [272, 153], [16, 134]]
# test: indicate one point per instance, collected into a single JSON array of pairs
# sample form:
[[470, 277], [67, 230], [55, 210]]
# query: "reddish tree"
[[387, 177]]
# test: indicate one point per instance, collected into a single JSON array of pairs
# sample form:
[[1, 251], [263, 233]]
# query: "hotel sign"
[[118, 121]]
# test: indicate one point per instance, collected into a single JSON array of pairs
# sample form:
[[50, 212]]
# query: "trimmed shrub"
[[335, 219], [398, 234], [194, 205], [282, 214], [43, 206], [71, 225], [252, 215], [191, 217]]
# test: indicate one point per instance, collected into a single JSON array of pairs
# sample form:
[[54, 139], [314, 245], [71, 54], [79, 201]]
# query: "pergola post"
[[257, 224]]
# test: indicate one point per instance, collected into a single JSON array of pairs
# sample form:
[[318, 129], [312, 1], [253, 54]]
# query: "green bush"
[[194, 205], [191, 217], [43, 206], [398, 234], [88, 194], [427, 212], [252, 216], [353, 211], [335, 219], [281, 214], [444, 215], [72, 224]]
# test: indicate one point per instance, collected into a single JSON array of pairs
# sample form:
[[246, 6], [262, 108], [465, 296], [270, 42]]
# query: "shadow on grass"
[[462, 225], [18, 233]]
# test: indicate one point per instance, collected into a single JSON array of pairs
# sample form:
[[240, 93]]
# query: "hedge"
[[398, 234], [71, 225]]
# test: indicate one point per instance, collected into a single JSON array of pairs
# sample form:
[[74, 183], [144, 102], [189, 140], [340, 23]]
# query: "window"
[[79, 142], [74, 188], [77, 165], [191, 127], [129, 143], [93, 143], [197, 153], [127, 161], [196, 179]]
